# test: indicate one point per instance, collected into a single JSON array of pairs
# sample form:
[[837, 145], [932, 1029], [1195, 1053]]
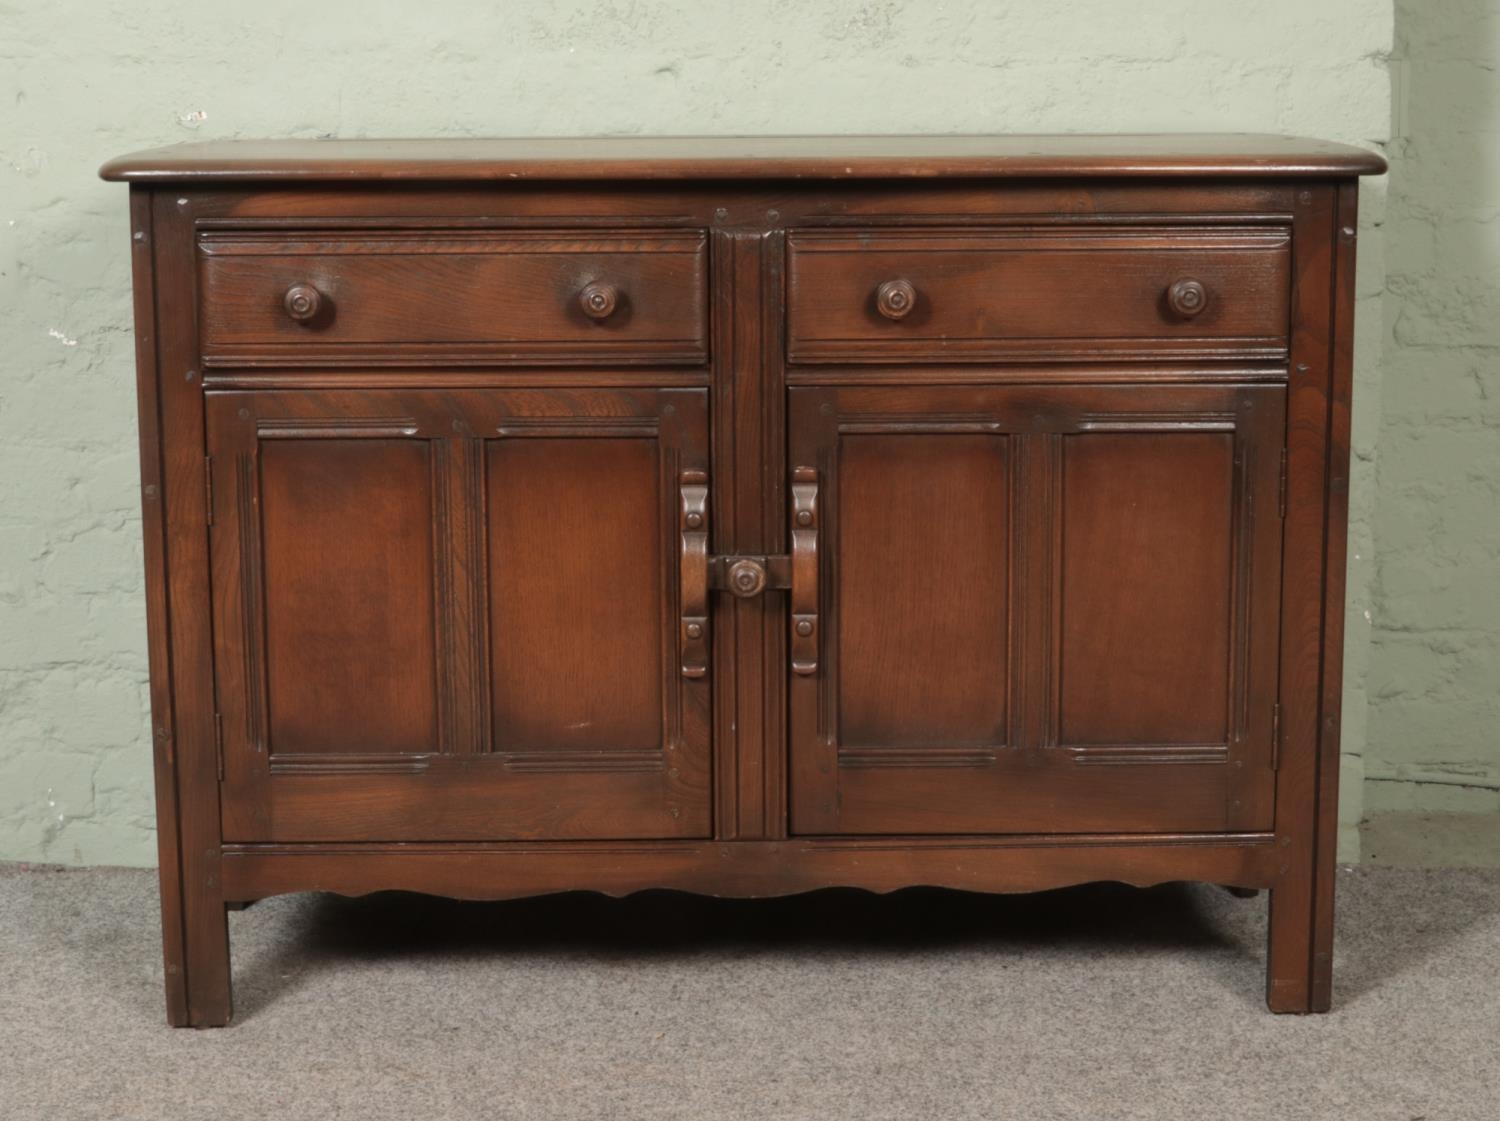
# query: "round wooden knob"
[[1187, 297], [598, 300], [746, 578], [895, 298], [302, 302]]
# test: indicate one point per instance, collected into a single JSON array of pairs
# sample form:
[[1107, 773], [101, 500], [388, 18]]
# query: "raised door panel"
[[1045, 609], [454, 615], [919, 672], [576, 593], [350, 635], [1148, 536]]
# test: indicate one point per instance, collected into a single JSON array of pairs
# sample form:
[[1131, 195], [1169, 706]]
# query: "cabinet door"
[[455, 615], [1042, 610]]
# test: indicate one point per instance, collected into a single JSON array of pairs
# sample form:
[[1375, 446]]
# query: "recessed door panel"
[[1042, 609]]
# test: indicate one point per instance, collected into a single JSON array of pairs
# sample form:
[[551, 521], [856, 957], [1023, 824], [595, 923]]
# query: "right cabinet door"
[[1039, 609]]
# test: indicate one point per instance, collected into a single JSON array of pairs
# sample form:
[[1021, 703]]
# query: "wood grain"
[[575, 545], [425, 296], [1146, 587], [1035, 293], [158, 627], [752, 869], [346, 529], [741, 157], [1300, 953], [416, 605], [430, 564], [1024, 580], [186, 585], [919, 512]]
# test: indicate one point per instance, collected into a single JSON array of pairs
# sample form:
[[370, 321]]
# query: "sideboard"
[[744, 516]]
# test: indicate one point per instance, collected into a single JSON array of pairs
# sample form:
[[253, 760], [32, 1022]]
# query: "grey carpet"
[[1100, 1002]]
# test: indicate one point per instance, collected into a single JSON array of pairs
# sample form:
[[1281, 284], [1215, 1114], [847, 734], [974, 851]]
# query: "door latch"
[[748, 576]]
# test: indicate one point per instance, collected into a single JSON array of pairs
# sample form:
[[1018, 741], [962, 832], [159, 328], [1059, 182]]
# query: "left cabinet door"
[[459, 614]]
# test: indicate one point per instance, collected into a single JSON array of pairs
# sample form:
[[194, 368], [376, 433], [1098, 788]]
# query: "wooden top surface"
[[734, 157]]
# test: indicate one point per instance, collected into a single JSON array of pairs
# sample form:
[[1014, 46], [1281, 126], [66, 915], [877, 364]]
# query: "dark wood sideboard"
[[744, 516]]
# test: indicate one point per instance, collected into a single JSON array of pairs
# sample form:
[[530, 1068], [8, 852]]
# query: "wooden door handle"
[[804, 571], [692, 630]]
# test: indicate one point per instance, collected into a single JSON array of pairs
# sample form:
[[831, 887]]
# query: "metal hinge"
[[208, 487], [1281, 494], [1276, 736], [219, 743]]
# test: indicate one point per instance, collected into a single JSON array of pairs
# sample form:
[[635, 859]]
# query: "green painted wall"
[[1433, 738], [81, 80]]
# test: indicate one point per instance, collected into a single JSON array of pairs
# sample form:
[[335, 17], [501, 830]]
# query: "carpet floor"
[[1097, 1003]]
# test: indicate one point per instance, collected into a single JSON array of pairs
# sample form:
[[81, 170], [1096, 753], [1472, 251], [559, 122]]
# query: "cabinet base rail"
[[1298, 978], [750, 869]]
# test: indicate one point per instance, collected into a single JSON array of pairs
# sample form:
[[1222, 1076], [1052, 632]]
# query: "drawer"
[[451, 297], [1119, 293]]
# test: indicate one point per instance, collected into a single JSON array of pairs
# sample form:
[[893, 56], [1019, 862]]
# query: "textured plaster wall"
[[81, 80], [1434, 680]]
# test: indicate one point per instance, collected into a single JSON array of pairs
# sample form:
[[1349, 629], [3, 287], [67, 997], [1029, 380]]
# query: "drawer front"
[[1121, 293], [453, 298]]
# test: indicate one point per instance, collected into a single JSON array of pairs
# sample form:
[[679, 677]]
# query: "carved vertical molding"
[[749, 496], [773, 511], [726, 252]]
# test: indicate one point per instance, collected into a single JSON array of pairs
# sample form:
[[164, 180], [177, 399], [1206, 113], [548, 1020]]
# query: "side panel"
[[1300, 952], [186, 727]]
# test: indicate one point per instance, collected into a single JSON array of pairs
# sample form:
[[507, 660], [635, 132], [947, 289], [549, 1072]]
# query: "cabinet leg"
[[195, 930], [1299, 956]]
